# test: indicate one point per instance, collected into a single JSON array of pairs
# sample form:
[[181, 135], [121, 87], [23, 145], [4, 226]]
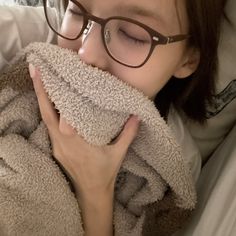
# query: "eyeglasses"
[[126, 41]]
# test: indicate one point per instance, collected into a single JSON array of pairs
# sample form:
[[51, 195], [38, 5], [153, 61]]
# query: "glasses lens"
[[71, 21], [127, 42]]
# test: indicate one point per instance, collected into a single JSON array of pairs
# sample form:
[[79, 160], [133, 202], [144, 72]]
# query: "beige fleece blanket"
[[154, 190]]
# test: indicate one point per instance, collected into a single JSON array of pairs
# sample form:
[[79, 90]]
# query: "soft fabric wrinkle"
[[97, 105]]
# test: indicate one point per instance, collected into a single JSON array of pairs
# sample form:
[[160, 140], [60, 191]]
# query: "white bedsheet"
[[216, 210]]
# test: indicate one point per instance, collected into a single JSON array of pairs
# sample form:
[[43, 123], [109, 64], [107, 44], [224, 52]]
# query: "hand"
[[92, 169]]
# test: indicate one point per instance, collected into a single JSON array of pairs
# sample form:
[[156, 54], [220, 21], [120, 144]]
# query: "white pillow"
[[20, 25]]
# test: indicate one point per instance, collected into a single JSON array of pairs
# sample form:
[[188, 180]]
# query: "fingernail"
[[32, 71], [137, 118]]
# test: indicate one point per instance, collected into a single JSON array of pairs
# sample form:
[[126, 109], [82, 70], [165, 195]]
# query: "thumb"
[[128, 134]]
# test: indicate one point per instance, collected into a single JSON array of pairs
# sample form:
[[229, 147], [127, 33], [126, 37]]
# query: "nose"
[[92, 50]]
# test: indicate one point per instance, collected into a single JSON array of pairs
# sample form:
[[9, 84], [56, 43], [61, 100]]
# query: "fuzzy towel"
[[154, 191]]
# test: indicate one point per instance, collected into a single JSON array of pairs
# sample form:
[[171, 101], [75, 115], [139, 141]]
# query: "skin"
[[93, 170]]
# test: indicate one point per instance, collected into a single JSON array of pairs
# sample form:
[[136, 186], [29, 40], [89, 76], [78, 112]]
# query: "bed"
[[215, 213]]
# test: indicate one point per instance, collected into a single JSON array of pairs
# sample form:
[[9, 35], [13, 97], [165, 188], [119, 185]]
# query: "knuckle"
[[121, 149], [58, 153], [65, 128]]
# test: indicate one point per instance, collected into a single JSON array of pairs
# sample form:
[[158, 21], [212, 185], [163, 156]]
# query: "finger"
[[65, 128], [47, 110], [128, 134]]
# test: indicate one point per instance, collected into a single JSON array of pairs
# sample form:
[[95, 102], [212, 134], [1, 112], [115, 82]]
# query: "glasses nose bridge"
[[98, 20]]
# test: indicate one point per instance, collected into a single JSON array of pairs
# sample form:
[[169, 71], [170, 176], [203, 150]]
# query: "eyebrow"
[[136, 10]]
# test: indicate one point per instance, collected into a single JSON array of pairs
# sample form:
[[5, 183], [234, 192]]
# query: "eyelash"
[[74, 12], [134, 40]]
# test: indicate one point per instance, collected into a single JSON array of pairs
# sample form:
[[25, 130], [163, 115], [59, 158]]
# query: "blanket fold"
[[154, 186]]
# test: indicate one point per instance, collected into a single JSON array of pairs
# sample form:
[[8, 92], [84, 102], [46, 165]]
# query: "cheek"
[[154, 75], [150, 78], [148, 81]]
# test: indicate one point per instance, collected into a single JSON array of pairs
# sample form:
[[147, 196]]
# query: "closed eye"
[[74, 9], [132, 38], [75, 12]]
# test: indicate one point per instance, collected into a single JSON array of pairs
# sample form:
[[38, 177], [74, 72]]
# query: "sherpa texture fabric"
[[154, 192]]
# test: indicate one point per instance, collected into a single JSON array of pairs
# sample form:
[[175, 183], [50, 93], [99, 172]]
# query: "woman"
[[178, 71]]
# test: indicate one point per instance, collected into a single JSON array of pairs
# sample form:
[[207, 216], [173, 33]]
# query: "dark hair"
[[193, 94]]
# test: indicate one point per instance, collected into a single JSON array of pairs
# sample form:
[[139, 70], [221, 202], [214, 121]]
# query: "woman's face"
[[165, 16]]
